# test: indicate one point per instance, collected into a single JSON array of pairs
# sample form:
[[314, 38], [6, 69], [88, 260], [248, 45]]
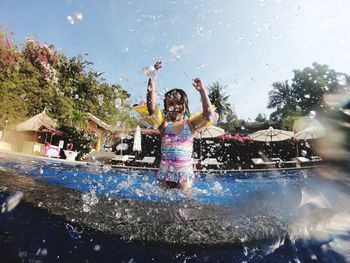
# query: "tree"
[[281, 97], [38, 77], [219, 100], [84, 141], [306, 92], [311, 83], [231, 122], [261, 117]]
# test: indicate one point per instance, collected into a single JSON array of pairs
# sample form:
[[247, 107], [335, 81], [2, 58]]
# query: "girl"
[[176, 167]]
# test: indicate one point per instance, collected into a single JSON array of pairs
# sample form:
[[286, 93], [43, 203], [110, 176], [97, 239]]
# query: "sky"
[[246, 45]]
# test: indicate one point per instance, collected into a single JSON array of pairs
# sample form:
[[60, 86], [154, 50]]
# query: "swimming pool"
[[214, 188], [237, 216]]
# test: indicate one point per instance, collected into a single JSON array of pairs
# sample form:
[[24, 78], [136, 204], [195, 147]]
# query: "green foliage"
[[82, 140], [306, 92], [281, 97], [231, 123], [220, 100], [38, 77], [288, 121], [261, 117]]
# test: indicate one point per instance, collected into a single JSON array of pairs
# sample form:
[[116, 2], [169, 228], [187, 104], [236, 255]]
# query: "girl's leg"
[[162, 183], [185, 185]]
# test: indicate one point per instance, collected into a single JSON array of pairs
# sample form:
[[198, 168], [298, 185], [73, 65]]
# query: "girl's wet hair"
[[183, 100]]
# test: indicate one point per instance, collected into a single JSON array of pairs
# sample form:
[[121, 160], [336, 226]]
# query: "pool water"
[[30, 234], [209, 188]]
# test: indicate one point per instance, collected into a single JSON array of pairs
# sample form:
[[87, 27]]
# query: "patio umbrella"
[[309, 133], [271, 135], [209, 132], [122, 147], [137, 140]]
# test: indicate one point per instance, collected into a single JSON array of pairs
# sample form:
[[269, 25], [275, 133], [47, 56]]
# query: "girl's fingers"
[[158, 65]]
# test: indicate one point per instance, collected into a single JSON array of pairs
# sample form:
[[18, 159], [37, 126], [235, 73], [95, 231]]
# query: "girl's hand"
[[197, 83], [158, 65]]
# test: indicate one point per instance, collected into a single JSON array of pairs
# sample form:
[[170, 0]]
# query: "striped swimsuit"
[[176, 155]]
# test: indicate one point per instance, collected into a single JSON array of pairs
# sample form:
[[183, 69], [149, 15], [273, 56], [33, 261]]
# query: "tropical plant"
[[219, 100], [83, 140], [311, 83], [282, 97], [39, 77], [261, 117], [306, 92]]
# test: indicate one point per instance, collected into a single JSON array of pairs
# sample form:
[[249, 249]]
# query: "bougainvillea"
[[9, 55], [44, 57]]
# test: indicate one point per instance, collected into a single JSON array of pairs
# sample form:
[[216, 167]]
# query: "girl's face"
[[174, 106]]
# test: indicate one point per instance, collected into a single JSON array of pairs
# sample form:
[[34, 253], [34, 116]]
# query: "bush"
[[83, 141]]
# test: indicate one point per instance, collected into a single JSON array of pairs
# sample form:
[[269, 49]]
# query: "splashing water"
[[11, 202], [149, 72], [75, 18]]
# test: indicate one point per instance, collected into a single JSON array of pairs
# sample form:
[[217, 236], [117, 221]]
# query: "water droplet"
[[75, 18], [149, 72], [12, 201], [123, 78], [312, 114], [100, 99], [177, 49], [97, 247], [86, 208], [341, 79], [202, 66]]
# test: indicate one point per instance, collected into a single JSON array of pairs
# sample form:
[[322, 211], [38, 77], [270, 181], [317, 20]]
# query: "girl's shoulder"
[[163, 126], [190, 125]]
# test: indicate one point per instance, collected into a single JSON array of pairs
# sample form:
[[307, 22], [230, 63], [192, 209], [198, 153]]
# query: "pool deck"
[[128, 167]]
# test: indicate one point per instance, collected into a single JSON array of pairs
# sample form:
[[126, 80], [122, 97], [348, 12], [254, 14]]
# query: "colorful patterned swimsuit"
[[176, 155]]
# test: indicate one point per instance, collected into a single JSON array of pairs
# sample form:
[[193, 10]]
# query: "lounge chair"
[[149, 160], [260, 163], [316, 158], [212, 162], [303, 161], [120, 159], [289, 164]]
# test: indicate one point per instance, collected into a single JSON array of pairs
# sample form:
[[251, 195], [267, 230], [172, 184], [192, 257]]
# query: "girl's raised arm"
[[206, 104], [151, 91]]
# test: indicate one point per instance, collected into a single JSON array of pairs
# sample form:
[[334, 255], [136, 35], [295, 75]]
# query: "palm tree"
[[218, 98], [282, 97]]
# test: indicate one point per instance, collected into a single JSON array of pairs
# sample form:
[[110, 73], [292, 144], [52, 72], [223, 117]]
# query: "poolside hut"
[[100, 128], [36, 131]]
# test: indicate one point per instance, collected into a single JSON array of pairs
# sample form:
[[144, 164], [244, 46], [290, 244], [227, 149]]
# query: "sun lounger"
[[315, 158], [289, 164], [212, 162], [146, 160], [303, 161], [260, 163], [120, 159]]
